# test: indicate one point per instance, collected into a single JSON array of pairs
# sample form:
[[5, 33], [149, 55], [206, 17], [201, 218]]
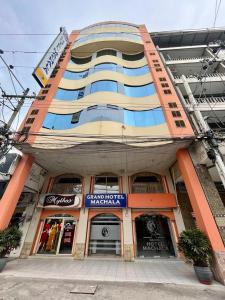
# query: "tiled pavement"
[[141, 271]]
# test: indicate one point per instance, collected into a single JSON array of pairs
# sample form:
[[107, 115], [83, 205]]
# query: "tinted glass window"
[[81, 60], [104, 85], [147, 184], [136, 72], [75, 75], [58, 122], [106, 185], [146, 118], [133, 57], [139, 91], [67, 185], [105, 67], [106, 52], [69, 95]]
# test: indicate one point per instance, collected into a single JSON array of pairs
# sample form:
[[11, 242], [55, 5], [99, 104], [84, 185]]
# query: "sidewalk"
[[141, 271]]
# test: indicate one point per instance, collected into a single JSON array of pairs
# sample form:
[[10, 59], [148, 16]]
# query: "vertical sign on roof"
[[48, 62]]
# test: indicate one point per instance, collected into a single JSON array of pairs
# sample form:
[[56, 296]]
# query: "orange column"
[[14, 189], [203, 214]]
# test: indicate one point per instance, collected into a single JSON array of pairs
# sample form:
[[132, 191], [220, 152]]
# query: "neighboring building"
[[110, 130]]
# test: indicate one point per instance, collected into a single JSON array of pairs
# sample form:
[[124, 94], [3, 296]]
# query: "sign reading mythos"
[[48, 62], [105, 200], [57, 201]]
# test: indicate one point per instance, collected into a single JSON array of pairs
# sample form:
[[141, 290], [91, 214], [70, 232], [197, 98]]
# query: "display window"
[[57, 235]]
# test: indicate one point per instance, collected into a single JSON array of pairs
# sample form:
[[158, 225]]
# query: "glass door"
[[67, 236], [57, 236]]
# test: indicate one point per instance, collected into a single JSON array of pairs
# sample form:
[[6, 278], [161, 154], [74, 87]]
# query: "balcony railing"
[[192, 76], [171, 59]]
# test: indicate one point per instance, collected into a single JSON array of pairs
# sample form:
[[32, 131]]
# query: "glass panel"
[[106, 185], [136, 72], [50, 236], [81, 60], [130, 36], [133, 57], [139, 91], [146, 118], [66, 244], [104, 85], [147, 184], [105, 67], [75, 75], [153, 237], [106, 52], [69, 95], [58, 122], [67, 185], [105, 235]]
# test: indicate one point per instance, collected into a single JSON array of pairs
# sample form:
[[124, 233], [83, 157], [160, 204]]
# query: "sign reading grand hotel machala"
[[105, 200]]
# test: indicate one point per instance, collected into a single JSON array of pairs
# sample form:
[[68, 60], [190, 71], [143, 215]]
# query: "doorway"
[[105, 236], [57, 235], [153, 236]]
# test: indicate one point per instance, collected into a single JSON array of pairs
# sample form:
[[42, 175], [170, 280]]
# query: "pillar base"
[[79, 251], [218, 266], [128, 252], [26, 250]]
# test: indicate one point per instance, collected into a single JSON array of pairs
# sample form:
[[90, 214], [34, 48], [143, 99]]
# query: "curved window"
[[102, 35], [146, 183], [106, 52], [69, 95], [67, 184], [132, 57], [75, 75], [108, 112], [106, 185], [146, 118], [105, 67], [139, 91], [104, 85], [58, 122], [136, 71], [81, 60]]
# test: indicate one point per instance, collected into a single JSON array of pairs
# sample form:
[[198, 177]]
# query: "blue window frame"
[[146, 118], [104, 86], [69, 95], [136, 71], [75, 75], [139, 91], [105, 67]]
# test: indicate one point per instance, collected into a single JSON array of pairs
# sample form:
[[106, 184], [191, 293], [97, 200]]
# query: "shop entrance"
[[105, 237], [153, 236], [57, 235]]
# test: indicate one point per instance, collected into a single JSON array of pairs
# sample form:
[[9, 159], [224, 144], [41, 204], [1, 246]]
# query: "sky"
[[19, 19]]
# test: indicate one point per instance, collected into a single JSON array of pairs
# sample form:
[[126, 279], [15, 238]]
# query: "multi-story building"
[[112, 136]]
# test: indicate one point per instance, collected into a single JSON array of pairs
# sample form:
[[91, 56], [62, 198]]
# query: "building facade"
[[111, 134]]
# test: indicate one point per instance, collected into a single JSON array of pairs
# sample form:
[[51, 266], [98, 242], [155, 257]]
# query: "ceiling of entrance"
[[95, 158]]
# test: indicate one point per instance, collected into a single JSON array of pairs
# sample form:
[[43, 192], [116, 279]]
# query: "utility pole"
[[210, 141]]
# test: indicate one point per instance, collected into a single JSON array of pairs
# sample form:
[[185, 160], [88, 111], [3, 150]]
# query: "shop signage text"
[[105, 200], [57, 201]]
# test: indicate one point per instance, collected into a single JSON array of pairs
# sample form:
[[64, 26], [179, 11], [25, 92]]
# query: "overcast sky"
[[46, 16]]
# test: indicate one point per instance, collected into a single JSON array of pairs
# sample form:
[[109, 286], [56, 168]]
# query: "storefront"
[[153, 236], [154, 226], [58, 223], [105, 231]]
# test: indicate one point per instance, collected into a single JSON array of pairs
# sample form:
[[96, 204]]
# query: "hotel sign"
[[105, 200], [48, 62], [60, 201]]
